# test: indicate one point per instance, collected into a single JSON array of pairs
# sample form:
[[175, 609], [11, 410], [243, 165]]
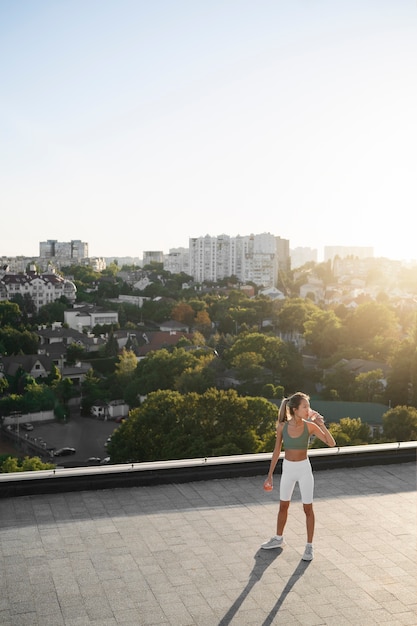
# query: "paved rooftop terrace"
[[188, 554]]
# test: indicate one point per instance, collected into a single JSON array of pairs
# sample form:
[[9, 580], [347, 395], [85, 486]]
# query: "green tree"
[[126, 364], [210, 424], [157, 310], [268, 391], [398, 390], [161, 369], [93, 388], [123, 383], [248, 365], [368, 386], [4, 385], [338, 384], [400, 423], [293, 315], [373, 327], [75, 352], [11, 464], [10, 314], [64, 391], [281, 358], [323, 333], [112, 347], [34, 463], [348, 432], [18, 342], [199, 378], [52, 312], [28, 464]]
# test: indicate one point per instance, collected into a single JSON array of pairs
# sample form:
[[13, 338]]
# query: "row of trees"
[[171, 425], [10, 463]]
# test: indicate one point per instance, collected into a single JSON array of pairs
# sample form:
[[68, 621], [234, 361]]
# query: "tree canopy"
[[170, 425]]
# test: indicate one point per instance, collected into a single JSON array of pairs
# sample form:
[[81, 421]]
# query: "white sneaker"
[[273, 543], [308, 553]]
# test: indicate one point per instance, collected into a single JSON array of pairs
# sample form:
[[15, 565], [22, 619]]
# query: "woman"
[[296, 423]]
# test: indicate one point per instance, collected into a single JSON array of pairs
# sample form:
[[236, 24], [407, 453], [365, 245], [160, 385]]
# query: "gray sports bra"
[[295, 443]]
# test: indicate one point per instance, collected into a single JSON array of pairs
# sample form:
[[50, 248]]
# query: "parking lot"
[[87, 435]]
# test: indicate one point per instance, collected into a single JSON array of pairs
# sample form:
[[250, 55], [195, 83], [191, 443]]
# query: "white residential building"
[[88, 317], [16, 264], [63, 252], [300, 256], [153, 256], [42, 288], [252, 258], [177, 261]]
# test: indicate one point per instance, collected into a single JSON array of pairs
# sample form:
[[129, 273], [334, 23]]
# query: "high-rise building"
[[252, 258], [300, 256], [361, 252], [153, 256], [63, 251], [177, 261]]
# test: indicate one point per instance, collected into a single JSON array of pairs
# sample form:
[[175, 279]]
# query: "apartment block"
[[74, 249], [177, 261], [251, 258], [361, 252], [300, 256], [153, 256], [53, 253], [42, 288]]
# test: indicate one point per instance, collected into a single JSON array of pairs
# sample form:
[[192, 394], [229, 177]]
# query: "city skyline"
[[143, 125], [79, 249]]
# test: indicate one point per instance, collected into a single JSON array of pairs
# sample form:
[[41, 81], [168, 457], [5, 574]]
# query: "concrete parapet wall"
[[192, 470]]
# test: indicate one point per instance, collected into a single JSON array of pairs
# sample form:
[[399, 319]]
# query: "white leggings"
[[297, 471]]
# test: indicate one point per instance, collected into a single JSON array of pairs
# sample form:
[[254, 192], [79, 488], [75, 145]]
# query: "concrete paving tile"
[[152, 615], [98, 607], [122, 554], [25, 619], [75, 611], [408, 619], [127, 617], [55, 619], [5, 618]]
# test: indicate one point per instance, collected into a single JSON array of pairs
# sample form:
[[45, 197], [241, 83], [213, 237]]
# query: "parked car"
[[64, 451], [93, 460], [27, 426]]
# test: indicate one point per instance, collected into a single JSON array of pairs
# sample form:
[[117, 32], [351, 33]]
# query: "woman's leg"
[[306, 484], [310, 520], [282, 516]]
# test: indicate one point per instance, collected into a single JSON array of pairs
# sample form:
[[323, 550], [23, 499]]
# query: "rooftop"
[[188, 554]]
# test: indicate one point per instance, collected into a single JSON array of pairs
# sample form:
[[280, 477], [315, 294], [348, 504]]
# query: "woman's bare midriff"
[[296, 455]]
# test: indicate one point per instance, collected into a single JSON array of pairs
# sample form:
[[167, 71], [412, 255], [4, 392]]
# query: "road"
[[87, 435]]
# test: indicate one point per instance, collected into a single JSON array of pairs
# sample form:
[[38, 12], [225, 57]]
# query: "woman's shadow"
[[263, 559]]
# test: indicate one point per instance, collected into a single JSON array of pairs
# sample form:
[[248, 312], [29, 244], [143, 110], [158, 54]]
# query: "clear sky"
[[136, 124]]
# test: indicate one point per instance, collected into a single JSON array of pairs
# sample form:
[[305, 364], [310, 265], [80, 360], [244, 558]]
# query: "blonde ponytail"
[[282, 414]]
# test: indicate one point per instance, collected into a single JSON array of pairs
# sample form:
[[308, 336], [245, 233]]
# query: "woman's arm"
[[320, 430], [276, 452]]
